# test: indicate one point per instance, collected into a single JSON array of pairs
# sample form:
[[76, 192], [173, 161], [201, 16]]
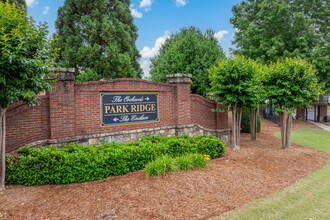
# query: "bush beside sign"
[[128, 108]]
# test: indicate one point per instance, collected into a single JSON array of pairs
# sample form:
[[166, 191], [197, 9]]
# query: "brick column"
[[183, 99], [62, 105], [301, 114], [322, 112]]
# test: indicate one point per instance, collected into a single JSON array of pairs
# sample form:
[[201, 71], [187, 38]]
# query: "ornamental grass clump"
[[201, 161], [185, 163], [164, 164], [161, 166]]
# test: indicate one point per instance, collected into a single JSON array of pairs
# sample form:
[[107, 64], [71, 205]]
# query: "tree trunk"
[[239, 122], [253, 124], [283, 128], [233, 126], [236, 126], [2, 147], [288, 131]]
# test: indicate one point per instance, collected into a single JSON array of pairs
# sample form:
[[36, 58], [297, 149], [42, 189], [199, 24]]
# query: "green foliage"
[[188, 51], [100, 36], [237, 80], [26, 56], [246, 121], [164, 164], [76, 163], [19, 3], [291, 83], [270, 30], [184, 163], [88, 75], [161, 166]]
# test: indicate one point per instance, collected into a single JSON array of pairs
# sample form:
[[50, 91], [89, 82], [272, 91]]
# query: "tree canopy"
[[272, 29], [188, 51], [291, 83], [25, 61], [26, 55], [98, 35]]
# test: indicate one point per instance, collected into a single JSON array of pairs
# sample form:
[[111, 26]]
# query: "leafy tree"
[[235, 82], [272, 29], [19, 3], [189, 51], [99, 35], [26, 55], [88, 75], [290, 83]]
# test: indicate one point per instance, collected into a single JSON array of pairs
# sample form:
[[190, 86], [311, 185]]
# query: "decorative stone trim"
[[133, 135], [179, 78]]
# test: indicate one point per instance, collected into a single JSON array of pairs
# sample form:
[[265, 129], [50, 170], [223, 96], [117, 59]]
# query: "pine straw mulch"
[[258, 169]]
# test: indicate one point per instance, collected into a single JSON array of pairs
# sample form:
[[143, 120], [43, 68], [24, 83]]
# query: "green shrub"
[[77, 163], [245, 125]]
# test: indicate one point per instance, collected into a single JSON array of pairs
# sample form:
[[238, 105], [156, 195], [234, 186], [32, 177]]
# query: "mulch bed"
[[260, 168]]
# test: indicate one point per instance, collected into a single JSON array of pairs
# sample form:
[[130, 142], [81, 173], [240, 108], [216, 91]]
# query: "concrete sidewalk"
[[323, 126]]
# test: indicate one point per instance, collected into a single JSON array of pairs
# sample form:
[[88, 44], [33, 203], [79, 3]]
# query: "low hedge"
[[77, 163], [245, 124]]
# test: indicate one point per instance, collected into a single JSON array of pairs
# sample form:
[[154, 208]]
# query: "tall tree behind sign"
[[188, 51], [269, 30], [98, 36]]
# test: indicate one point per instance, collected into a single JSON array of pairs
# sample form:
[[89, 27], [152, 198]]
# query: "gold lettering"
[[125, 108], [133, 108], [119, 109], [107, 108], [112, 110], [148, 107], [153, 107]]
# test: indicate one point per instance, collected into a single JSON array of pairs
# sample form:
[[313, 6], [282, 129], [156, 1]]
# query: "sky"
[[156, 20]]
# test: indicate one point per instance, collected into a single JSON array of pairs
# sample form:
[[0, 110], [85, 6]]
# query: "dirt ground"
[[257, 170]]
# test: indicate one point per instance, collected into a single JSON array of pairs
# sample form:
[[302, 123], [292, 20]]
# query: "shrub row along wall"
[[72, 112]]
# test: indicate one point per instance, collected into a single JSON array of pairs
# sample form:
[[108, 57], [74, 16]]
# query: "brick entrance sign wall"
[[72, 113]]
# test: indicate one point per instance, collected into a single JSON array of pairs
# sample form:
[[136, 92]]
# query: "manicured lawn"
[[314, 138], [308, 199]]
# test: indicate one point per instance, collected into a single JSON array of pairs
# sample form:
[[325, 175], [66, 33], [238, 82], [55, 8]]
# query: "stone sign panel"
[[128, 108]]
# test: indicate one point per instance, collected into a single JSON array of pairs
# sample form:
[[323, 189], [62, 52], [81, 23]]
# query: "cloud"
[[134, 12], [219, 35], [145, 65], [180, 3], [46, 10], [30, 3], [148, 52], [146, 4]]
